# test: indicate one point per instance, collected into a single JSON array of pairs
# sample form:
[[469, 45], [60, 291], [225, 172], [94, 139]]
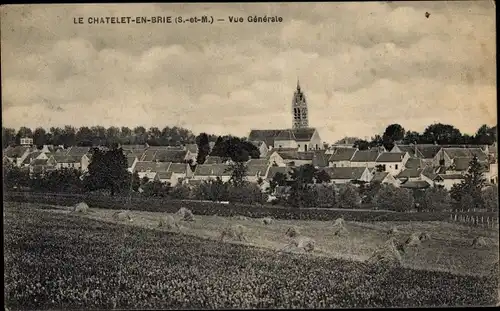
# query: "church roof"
[[303, 134]]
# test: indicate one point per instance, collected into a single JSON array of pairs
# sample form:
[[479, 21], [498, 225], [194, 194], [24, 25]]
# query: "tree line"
[[100, 136], [438, 133]]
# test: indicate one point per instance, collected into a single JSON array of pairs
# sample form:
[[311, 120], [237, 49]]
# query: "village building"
[[392, 162], [147, 168], [343, 175], [26, 141], [364, 158], [61, 161], [384, 178], [212, 172], [131, 162], [300, 136], [215, 160], [341, 157], [425, 152], [16, 155], [261, 146], [446, 156]]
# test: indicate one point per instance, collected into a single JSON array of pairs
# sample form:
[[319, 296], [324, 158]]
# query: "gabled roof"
[[430, 173], [193, 148], [418, 184], [77, 151], [351, 173], [410, 173], [414, 163], [148, 155], [320, 158], [150, 175], [257, 143], [462, 164], [284, 135], [266, 136], [427, 151], [379, 176], [130, 160], [134, 147], [407, 148], [452, 176], [62, 158], [392, 157], [212, 170], [365, 156], [16, 152], [37, 162], [466, 153], [296, 155], [303, 134], [143, 166], [254, 170], [176, 156], [165, 175], [31, 157], [214, 160], [257, 162], [273, 170], [342, 154], [179, 168]]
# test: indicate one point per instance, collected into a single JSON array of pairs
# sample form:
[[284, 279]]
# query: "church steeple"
[[299, 108]]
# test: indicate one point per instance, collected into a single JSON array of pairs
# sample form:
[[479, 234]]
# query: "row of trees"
[[99, 135], [443, 134], [228, 147]]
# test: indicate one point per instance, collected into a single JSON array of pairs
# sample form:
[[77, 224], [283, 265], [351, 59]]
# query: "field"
[[58, 259]]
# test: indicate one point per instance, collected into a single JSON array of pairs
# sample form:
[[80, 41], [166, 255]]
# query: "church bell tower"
[[299, 107]]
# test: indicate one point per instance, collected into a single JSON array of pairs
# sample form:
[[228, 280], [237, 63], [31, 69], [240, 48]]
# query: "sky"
[[362, 66]]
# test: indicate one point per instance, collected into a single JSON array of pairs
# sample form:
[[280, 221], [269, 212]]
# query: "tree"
[[485, 135], [326, 195], [68, 136], [14, 177], [84, 137], [279, 179], [23, 132], [8, 137], [39, 137], [490, 198], [472, 184], [435, 199], [203, 148], [348, 197], [361, 144], [322, 177], [108, 170], [234, 148], [393, 133], [394, 199], [443, 134], [376, 141], [238, 172], [411, 137]]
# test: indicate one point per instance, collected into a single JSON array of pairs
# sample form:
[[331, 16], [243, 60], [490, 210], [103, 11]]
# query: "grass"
[[58, 260], [450, 248]]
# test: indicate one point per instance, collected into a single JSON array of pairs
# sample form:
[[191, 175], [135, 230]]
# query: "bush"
[[180, 192], [246, 193], [394, 199], [467, 202], [213, 190], [348, 197], [435, 199], [325, 195], [490, 198]]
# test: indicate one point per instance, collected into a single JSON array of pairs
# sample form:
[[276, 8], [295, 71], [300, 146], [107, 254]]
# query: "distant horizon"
[[362, 67]]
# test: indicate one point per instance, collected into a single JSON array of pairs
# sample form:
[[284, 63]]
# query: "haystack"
[[424, 236], [185, 214], [239, 217], [479, 241], [392, 231], [267, 220], [122, 216], [81, 207], [292, 232], [339, 228], [413, 240], [168, 222], [235, 232], [388, 253], [303, 243]]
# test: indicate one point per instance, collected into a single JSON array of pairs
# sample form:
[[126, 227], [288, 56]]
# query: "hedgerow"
[[228, 210], [56, 261]]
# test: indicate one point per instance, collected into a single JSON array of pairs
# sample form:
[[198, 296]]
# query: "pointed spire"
[[298, 85]]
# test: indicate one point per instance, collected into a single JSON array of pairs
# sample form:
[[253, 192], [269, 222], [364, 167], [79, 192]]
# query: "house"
[[85, 162], [40, 166], [214, 160], [174, 156], [77, 151], [302, 138], [146, 168], [492, 174], [151, 176], [411, 174], [276, 159], [271, 173], [392, 162], [33, 156], [364, 158], [445, 156], [292, 158], [258, 162], [60, 161], [343, 175], [131, 162], [191, 152], [257, 172], [26, 141], [175, 173], [212, 171], [426, 152], [320, 158], [384, 178], [341, 157], [414, 163], [415, 185], [261, 146], [16, 155]]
